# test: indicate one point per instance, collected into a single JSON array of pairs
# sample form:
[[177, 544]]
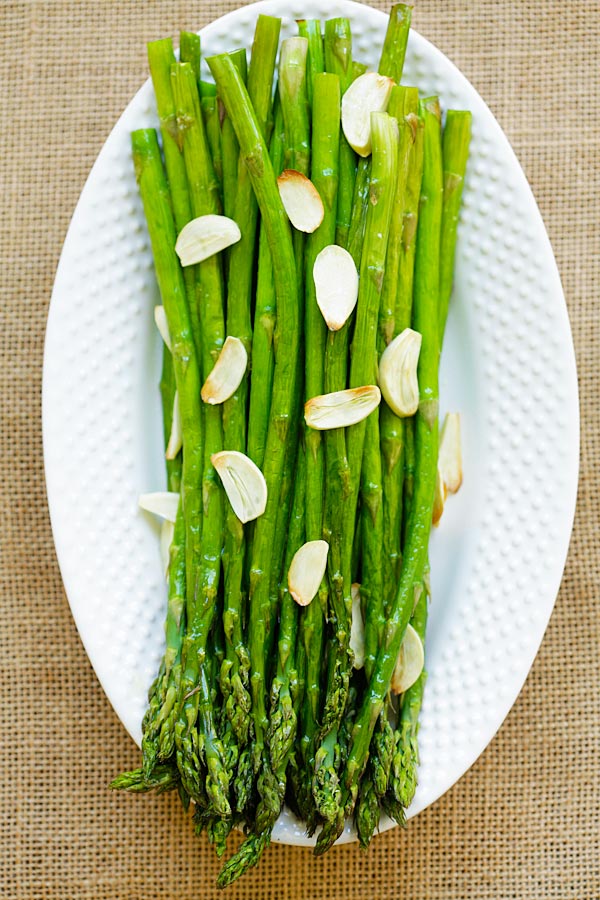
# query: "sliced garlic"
[[410, 662], [450, 454], [227, 372], [341, 408], [205, 236], [161, 503], [166, 539], [336, 285], [368, 94], [307, 570], [357, 630], [398, 373], [176, 437], [439, 497], [301, 200], [160, 318], [244, 483]]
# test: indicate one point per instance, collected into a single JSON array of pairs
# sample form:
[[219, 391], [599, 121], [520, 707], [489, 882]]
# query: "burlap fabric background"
[[523, 823]]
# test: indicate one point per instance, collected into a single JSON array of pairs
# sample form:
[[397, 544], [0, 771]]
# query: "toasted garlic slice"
[[307, 570], [161, 503], [439, 497], [357, 630], [205, 236], [160, 319], [244, 483], [341, 408], [301, 200], [369, 93], [167, 531], [450, 454], [410, 662], [176, 437], [336, 285], [398, 373], [227, 372]]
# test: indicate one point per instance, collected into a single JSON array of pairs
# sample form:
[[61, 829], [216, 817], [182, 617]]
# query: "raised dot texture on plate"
[[103, 391]]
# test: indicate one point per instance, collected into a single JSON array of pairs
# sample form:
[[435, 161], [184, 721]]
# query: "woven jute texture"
[[524, 822]]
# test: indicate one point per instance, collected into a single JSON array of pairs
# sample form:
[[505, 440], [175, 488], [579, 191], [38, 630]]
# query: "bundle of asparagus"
[[303, 238]]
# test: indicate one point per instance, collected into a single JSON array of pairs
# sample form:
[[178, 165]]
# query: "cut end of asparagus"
[[398, 373], [368, 94], [176, 437], [160, 319], [307, 570], [410, 662], [301, 201], [160, 503], [336, 285], [357, 630], [243, 482], [227, 373], [450, 453], [205, 236], [341, 408]]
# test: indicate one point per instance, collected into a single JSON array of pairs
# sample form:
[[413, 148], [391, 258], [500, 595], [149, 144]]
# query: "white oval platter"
[[508, 366]]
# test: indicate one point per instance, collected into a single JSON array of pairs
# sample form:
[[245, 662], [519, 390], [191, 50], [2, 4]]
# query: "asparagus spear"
[[383, 181], [212, 126], [282, 724], [263, 357], [196, 727], [396, 38], [381, 510], [234, 672], [160, 59], [373, 532], [456, 141], [230, 146], [311, 30], [426, 300], [161, 227], [254, 150], [455, 150], [338, 61], [324, 175], [189, 52]]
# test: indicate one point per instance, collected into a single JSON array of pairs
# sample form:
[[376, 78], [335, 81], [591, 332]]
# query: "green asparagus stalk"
[[230, 146], [383, 182], [164, 777], [263, 356], [253, 147], [373, 533], [210, 114], [189, 51], [234, 671], [207, 89], [160, 59], [196, 727], [324, 175], [396, 38], [282, 723], [456, 142], [403, 779], [397, 313], [381, 529], [161, 227], [338, 61], [426, 302], [311, 30]]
